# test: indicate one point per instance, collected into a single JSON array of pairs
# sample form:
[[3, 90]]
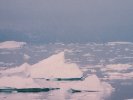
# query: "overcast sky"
[[99, 19]]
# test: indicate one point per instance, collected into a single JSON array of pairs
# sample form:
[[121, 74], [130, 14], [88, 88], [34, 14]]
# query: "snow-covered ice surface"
[[11, 45], [81, 71]]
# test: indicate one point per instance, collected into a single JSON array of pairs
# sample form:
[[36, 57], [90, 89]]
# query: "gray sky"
[[99, 19]]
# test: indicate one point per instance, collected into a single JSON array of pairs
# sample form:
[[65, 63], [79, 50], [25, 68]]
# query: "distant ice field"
[[110, 65]]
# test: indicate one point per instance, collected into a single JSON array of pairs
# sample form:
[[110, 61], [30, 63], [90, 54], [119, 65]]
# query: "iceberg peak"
[[57, 58], [55, 67]]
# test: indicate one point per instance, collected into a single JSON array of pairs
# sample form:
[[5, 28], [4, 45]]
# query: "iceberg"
[[11, 45], [55, 67], [18, 82], [91, 87], [52, 68], [90, 83], [22, 70], [54, 73]]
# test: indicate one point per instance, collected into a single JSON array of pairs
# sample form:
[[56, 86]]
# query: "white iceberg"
[[91, 88], [22, 70], [92, 83], [55, 67], [11, 45], [52, 68], [18, 82]]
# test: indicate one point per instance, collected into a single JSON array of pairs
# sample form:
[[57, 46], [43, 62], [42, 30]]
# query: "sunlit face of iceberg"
[[55, 67]]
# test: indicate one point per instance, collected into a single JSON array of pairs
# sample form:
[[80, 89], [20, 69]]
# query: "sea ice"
[[17, 82], [118, 67], [22, 70], [91, 83], [91, 88], [52, 68], [11, 45]]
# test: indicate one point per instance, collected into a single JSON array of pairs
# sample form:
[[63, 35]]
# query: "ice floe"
[[116, 43], [44, 75], [118, 75], [117, 67], [11, 45], [118, 71]]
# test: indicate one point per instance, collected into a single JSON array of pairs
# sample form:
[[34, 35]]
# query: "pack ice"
[[43, 73]]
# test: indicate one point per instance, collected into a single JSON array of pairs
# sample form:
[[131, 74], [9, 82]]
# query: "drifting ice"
[[11, 45], [54, 67]]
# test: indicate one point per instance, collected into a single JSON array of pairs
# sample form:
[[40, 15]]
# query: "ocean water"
[[112, 63]]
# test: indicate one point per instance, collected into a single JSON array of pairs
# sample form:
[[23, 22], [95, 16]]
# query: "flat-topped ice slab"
[[11, 45]]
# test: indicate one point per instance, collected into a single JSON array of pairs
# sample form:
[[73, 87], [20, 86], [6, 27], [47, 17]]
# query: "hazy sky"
[[75, 19]]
